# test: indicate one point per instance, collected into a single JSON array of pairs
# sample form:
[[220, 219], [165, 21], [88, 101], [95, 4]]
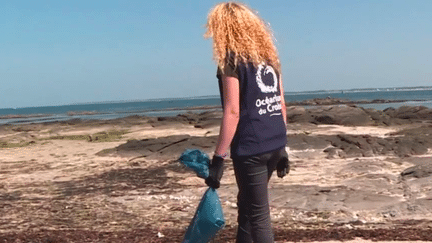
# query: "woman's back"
[[261, 127]]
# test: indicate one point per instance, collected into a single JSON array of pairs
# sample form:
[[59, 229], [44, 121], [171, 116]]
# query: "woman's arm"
[[231, 113], [284, 111]]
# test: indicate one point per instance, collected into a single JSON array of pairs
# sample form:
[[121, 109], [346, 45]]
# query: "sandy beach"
[[357, 175]]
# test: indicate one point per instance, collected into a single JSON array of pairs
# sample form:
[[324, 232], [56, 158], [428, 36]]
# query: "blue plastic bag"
[[208, 219], [196, 160]]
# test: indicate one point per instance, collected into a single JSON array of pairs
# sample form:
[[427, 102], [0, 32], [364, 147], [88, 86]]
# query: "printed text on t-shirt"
[[271, 104]]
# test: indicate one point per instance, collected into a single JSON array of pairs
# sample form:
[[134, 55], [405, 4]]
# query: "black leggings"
[[252, 175]]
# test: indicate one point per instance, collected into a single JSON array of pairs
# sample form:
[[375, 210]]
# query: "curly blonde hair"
[[240, 35]]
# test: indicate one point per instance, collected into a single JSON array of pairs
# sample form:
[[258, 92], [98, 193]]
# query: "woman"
[[254, 113]]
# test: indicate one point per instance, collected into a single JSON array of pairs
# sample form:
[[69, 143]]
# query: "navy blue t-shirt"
[[261, 127]]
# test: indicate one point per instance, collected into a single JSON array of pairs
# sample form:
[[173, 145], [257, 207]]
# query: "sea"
[[408, 96]]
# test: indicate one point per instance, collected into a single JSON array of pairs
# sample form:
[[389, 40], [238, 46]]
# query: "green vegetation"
[[105, 136], [15, 145], [70, 137]]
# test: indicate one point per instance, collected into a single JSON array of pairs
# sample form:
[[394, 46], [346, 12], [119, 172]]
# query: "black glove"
[[283, 166], [216, 168]]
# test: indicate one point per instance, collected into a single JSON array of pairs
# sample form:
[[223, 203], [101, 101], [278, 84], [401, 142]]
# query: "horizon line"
[[217, 95]]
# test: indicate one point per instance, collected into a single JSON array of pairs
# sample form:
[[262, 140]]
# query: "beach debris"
[[196, 160], [231, 204]]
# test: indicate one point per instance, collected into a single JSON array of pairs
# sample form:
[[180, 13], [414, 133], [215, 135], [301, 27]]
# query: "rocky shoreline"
[[414, 137], [306, 103], [337, 101]]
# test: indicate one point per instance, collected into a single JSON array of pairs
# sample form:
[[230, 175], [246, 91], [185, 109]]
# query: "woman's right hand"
[[283, 166]]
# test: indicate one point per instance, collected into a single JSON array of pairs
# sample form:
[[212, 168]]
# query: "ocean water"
[[412, 96]]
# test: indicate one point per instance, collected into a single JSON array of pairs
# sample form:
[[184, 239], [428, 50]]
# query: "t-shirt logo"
[[262, 72], [268, 104]]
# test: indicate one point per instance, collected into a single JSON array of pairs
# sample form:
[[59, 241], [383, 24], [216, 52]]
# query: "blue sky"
[[64, 52]]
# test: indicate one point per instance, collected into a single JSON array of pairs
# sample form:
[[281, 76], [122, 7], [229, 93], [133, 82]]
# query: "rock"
[[204, 119], [334, 153], [368, 146], [208, 123], [179, 118], [338, 115], [409, 146], [422, 131], [325, 119], [412, 112], [418, 171], [320, 101], [379, 117], [298, 114], [303, 142], [347, 145], [351, 115], [169, 147]]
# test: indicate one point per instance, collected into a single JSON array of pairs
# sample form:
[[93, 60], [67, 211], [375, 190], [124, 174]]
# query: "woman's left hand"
[[215, 172]]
